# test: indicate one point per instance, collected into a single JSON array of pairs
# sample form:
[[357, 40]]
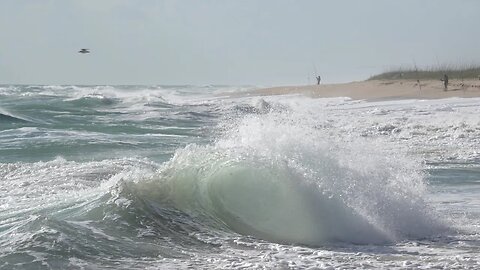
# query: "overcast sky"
[[247, 42]]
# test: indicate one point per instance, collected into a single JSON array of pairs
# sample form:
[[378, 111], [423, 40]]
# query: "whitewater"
[[215, 177]]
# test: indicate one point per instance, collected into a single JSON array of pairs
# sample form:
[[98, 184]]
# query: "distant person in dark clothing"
[[445, 81], [318, 79]]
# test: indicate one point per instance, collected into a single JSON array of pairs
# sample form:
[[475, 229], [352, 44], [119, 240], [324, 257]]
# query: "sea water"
[[214, 177]]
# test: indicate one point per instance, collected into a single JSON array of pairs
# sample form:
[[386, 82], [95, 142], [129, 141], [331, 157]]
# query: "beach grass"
[[460, 72]]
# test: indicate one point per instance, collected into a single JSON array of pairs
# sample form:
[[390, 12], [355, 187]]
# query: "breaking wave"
[[271, 177]]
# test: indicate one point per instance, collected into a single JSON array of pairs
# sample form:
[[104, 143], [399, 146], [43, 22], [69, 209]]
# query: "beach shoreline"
[[380, 90]]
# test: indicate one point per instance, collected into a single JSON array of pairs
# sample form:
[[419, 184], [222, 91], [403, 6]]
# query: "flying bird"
[[84, 51]]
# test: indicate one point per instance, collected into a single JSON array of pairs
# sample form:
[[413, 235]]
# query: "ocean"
[[214, 177]]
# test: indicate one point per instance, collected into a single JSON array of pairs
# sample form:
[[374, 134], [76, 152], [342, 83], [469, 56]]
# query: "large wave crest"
[[282, 179]]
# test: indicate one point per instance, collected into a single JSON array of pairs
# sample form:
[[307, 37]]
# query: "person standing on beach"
[[445, 81], [318, 79]]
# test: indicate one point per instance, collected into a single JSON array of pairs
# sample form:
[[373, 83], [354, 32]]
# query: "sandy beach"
[[381, 90]]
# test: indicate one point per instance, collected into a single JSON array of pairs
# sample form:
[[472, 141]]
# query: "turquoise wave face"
[[287, 190]]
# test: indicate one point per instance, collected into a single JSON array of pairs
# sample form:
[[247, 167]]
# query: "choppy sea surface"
[[205, 177]]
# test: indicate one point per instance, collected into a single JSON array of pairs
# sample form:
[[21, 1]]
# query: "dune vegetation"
[[430, 73]]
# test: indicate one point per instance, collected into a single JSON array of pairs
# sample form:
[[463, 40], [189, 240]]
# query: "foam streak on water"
[[187, 177]]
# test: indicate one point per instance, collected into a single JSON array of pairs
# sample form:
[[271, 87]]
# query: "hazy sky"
[[261, 42]]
